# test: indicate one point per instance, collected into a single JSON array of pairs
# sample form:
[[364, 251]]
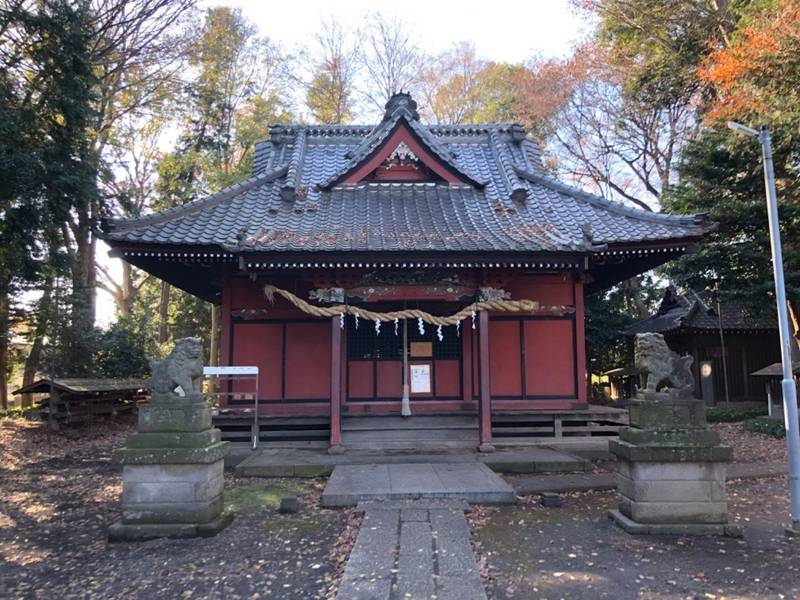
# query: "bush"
[[732, 414], [767, 426]]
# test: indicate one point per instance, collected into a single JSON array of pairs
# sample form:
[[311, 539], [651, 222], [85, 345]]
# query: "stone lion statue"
[[660, 365], [183, 368]]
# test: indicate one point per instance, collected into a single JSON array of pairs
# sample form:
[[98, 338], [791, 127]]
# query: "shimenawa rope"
[[414, 313]]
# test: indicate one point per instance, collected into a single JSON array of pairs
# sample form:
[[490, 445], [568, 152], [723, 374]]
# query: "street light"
[[788, 384]]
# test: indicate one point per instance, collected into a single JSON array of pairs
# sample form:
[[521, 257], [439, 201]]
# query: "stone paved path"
[[412, 550]]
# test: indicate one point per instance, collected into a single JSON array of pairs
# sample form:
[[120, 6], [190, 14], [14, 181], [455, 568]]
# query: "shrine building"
[[460, 222]]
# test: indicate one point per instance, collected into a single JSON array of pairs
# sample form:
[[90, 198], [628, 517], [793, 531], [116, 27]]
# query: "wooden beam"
[[485, 383], [336, 389]]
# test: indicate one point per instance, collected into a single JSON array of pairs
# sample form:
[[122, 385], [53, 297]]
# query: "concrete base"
[[793, 530], [635, 528], [167, 493], [139, 532], [691, 493]]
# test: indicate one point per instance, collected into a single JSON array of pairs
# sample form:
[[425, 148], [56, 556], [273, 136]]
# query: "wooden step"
[[409, 433], [415, 422]]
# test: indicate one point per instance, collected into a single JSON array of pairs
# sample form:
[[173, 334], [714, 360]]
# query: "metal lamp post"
[[788, 383]]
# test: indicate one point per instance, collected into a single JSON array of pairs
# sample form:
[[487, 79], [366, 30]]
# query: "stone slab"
[[174, 439], [162, 456], [667, 414], [364, 589], [129, 532], [632, 527], [157, 513], [160, 473], [472, 482], [660, 490], [294, 462], [415, 577], [167, 418], [674, 512], [633, 452], [672, 437]]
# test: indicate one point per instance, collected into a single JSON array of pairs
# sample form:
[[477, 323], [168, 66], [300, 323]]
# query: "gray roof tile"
[[547, 216]]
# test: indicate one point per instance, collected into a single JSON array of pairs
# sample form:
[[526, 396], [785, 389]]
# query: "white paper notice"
[[420, 379]]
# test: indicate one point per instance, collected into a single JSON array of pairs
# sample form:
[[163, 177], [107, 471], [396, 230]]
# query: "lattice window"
[[364, 344]]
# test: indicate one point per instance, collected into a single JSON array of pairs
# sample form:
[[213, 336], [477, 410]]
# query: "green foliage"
[[767, 426], [721, 175], [663, 42], [732, 414], [608, 313], [123, 351]]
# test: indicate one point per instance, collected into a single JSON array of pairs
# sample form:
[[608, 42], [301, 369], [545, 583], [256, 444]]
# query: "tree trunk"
[[4, 342], [163, 308], [794, 326], [127, 292], [35, 355], [84, 279], [213, 358], [633, 291]]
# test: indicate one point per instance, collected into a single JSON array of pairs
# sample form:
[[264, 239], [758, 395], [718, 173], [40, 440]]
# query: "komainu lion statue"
[[182, 367], [660, 365]]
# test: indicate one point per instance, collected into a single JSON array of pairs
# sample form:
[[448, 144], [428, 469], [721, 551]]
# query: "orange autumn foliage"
[[757, 75]]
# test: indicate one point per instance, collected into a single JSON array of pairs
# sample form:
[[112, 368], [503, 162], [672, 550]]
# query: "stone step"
[[471, 482]]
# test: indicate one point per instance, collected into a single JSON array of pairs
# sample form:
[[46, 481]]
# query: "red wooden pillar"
[[336, 388], [486, 389], [584, 377]]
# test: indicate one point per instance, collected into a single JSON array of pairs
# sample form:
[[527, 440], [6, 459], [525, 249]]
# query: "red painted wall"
[[549, 358], [538, 361], [534, 362], [261, 344], [446, 379], [504, 357], [359, 379], [390, 378], [308, 360]]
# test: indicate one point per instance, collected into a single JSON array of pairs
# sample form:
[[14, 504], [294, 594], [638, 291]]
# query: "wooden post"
[[336, 388], [581, 368], [486, 390]]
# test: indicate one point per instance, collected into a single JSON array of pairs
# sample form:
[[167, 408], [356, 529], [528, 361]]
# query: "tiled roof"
[[689, 312], [508, 203]]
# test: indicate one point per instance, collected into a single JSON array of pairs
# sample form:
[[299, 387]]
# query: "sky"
[[501, 30]]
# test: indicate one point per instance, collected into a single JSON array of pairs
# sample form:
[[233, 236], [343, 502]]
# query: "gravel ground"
[[751, 447], [58, 494], [576, 552]]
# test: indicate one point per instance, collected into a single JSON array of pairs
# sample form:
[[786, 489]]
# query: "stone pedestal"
[[671, 469], [172, 476]]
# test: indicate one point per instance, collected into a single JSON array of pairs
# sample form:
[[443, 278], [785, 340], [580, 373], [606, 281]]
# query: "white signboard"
[[230, 371], [420, 379]]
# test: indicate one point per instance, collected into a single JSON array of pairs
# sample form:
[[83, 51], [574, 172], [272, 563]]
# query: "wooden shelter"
[[692, 325], [402, 216], [71, 401]]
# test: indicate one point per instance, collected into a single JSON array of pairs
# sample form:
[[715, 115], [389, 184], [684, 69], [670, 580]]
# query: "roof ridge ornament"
[[401, 102]]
